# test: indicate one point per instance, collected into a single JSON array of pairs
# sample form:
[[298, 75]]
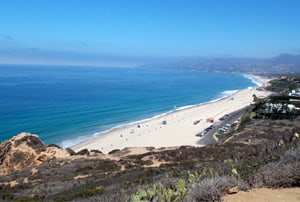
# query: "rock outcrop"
[[25, 150]]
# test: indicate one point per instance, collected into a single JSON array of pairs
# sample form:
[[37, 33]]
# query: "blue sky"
[[128, 32]]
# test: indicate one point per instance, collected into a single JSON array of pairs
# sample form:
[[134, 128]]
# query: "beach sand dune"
[[174, 129]]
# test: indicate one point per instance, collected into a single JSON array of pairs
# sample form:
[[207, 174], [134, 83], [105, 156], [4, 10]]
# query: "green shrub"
[[27, 200], [87, 193], [246, 117], [107, 166], [6, 196], [115, 151], [90, 192], [159, 192], [82, 169]]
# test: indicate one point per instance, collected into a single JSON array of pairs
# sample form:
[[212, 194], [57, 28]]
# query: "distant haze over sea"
[[66, 105]]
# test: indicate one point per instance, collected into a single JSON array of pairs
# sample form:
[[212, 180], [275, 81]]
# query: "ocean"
[[66, 105]]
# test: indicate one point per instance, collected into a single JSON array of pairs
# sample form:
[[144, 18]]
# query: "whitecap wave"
[[72, 142], [253, 80], [227, 93], [75, 141]]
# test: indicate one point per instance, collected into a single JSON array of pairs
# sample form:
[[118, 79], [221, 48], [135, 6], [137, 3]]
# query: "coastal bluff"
[[25, 150], [261, 154]]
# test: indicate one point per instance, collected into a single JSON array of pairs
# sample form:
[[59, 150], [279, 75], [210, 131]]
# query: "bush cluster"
[[212, 189], [283, 173]]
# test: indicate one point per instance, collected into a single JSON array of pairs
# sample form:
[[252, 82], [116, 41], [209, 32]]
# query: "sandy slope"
[[180, 128], [266, 195]]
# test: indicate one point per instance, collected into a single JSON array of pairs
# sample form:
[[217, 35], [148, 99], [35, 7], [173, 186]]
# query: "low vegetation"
[[284, 84], [264, 153], [212, 189]]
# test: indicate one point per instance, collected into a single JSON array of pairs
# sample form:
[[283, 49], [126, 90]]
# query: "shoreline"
[[179, 128]]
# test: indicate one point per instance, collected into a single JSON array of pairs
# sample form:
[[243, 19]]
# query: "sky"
[[133, 32]]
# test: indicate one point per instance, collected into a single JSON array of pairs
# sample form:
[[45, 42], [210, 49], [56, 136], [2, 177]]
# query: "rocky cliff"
[[26, 150]]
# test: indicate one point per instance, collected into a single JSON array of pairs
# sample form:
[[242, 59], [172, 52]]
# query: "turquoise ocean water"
[[66, 105]]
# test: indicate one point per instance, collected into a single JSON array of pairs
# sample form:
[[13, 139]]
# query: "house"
[[283, 77], [271, 108]]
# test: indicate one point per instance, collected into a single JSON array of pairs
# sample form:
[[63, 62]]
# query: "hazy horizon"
[[132, 33]]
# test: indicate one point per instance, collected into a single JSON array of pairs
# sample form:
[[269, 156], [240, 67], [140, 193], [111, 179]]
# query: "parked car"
[[211, 127], [201, 134], [221, 130], [224, 117], [207, 129], [225, 128]]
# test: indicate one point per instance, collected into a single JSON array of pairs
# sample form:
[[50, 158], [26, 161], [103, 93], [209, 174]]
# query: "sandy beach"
[[179, 128]]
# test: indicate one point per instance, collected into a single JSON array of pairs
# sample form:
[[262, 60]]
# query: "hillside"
[[282, 64], [255, 156]]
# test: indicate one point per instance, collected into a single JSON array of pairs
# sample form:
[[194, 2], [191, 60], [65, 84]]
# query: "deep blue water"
[[62, 103]]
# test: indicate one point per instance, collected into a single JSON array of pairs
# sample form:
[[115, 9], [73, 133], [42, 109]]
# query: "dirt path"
[[266, 195]]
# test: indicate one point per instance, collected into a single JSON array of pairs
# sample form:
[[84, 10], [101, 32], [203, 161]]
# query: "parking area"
[[222, 125]]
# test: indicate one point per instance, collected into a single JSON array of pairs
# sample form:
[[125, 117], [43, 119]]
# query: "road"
[[208, 138]]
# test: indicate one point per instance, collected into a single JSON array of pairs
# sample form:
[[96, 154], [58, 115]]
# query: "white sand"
[[180, 128]]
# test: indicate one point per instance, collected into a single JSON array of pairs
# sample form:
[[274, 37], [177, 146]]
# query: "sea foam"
[[258, 84], [78, 140]]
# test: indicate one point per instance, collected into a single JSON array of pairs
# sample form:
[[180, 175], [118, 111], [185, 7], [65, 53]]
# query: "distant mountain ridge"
[[282, 64], [286, 59]]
